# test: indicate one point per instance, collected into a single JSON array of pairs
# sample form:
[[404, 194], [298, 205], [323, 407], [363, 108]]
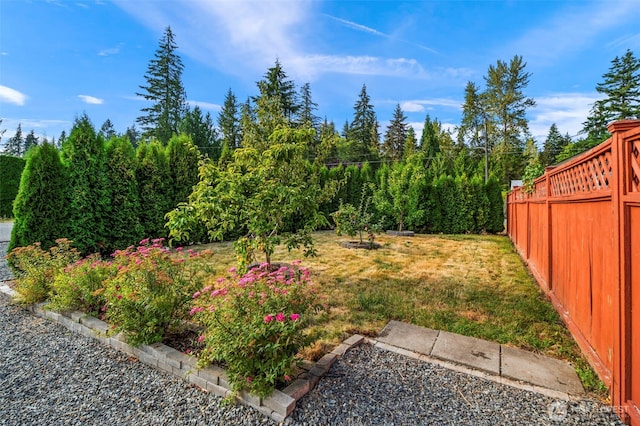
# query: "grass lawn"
[[475, 285]]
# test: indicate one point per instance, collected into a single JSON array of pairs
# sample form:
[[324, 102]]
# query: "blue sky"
[[59, 59]]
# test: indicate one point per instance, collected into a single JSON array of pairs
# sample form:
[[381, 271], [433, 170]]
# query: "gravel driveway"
[[49, 376]]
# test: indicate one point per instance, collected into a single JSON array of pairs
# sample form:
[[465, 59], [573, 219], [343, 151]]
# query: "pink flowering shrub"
[[81, 286], [255, 323], [152, 289], [35, 268]]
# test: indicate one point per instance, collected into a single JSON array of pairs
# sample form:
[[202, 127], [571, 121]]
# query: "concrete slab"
[[408, 336], [540, 370], [469, 351]]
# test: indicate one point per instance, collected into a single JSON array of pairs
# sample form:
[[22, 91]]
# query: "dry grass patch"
[[468, 284]]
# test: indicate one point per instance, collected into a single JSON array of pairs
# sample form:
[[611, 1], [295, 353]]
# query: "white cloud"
[[12, 96], [91, 100], [312, 65], [418, 105], [567, 110], [410, 106], [205, 105], [358, 27], [110, 51]]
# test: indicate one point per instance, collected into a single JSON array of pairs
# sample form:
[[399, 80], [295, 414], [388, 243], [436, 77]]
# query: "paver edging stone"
[[278, 405]]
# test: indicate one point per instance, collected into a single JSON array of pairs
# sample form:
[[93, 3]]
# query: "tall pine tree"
[[229, 122], [621, 90], [164, 90], [396, 136], [363, 130]]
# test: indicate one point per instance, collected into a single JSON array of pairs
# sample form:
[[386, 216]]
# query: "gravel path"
[[49, 376]]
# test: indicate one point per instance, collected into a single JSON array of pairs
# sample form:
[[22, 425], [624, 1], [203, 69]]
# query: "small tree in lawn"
[[354, 221], [257, 193]]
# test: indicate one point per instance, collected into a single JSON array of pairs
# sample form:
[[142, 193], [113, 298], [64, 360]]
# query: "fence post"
[[621, 384]]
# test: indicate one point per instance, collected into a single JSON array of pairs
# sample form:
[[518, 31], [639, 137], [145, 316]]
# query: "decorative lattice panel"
[[592, 175], [634, 175], [540, 190]]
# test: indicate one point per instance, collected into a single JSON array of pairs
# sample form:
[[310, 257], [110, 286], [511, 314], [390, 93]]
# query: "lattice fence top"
[[591, 175], [634, 163]]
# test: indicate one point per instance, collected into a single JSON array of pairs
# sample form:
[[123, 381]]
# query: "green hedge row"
[[102, 195], [10, 171]]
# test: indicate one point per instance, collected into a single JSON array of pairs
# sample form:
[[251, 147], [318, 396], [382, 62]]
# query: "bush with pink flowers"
[[152, 289], [254, 324]]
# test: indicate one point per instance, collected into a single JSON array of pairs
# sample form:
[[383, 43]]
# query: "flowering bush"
[[255, 324], [36, 268], [152, 289], [81, 286]]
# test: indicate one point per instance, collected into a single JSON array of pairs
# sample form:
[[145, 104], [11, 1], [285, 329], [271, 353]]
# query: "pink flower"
[[178, 249], [249, 379], [294, 317], [232, 270], [268, 319], [287, 378], [280, 317], [144, 242], [188, 351], [196, 294], [200, 338], [119, 297]]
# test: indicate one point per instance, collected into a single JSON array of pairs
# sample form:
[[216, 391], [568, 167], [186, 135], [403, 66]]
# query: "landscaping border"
[[278, 405]]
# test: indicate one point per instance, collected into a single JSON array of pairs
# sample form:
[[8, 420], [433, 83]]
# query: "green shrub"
[[84, 156], [121, 222], [154, 188], [152, 289], [351, 221], [10, 169], [81, 286], [40, 208], [496, 206], [36, 268], [255, 325]]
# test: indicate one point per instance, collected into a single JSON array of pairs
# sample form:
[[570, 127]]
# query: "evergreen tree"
[[62, 138], [621, 90], [107, 131], [84, 157], [133, 135], [507, 105], [553, 146], [429, 141], [11, 168], [183, 157], [154, 188], [277, 90], [396, 135], [122, 220], [471, 128], [229, 122], [307, 115], [410, 143], [40, 208], [164, 90], [202, 132], [30, 141], [363, 129], [15, 144]]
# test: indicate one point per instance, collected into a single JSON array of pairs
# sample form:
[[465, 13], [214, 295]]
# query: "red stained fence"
[[579, 232]]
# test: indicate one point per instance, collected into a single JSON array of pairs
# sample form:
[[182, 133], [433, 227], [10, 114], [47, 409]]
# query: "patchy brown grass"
[[468, 284]]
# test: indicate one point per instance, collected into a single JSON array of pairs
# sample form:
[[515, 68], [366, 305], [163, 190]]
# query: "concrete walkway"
[[490, 360]]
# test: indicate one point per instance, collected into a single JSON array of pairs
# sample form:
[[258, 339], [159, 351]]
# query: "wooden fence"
[[579, 232]]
